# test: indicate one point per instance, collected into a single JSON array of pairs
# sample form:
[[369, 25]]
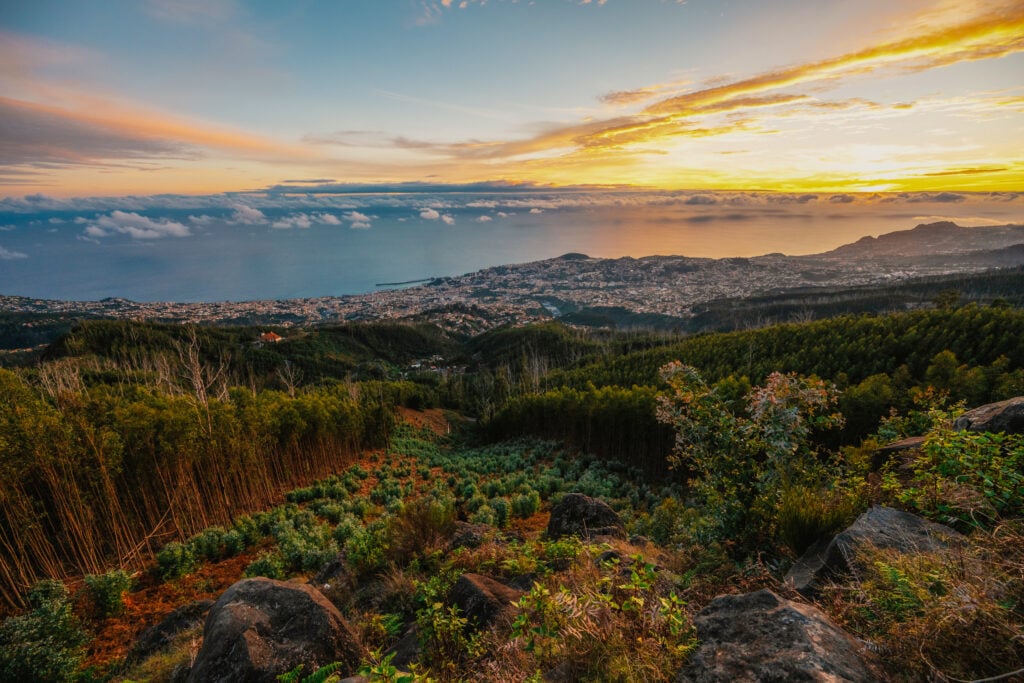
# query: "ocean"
[[234, 249]]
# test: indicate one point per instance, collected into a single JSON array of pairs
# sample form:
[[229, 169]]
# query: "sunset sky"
[[205, 96]]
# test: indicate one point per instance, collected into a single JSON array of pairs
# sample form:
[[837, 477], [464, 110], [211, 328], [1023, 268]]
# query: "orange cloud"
[[137, 123], [610, 149]]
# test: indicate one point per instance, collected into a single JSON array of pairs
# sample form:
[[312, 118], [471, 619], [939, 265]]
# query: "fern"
[[325, 674]]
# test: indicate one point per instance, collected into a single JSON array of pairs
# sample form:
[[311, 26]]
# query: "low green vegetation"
[[725, 455]]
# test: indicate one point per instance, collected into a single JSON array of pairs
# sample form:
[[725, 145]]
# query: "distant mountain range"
[[932, 238]]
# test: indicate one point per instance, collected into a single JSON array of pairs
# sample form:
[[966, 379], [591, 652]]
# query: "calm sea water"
[[50, 254]]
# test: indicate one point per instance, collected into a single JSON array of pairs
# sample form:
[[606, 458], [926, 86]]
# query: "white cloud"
[[8, 255], [447, 218], [296, 220], [484, 219], [246, 215], [359, 220], [135, 226], [55, 221], [326, 219], [536, 210], [429, 214]]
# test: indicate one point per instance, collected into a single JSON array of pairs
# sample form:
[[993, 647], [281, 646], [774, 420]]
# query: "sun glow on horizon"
[[928, 97]]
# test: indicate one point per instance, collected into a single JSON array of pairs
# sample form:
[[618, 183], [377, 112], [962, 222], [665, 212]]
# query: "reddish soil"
[[432, 418], [152, 600], [530, 525]]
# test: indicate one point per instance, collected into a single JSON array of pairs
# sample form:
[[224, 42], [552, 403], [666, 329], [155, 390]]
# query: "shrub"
[[526, 504], [347, 526], [967, 479], [106, 591], [365, 550], [248, 530], [741, 462], [422, 525], [484, 515], [45, 644], [306, 548], [501, 511], [175, 560], [269, 565], [215, 544], [447, 641]]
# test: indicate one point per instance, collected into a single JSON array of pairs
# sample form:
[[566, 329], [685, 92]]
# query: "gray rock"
[[586, 517], [1004, 416], [904, 446], [469, 535], [407, 650], [481, 599], [260, 628], [762, 638], [159, 636], [879, 527]]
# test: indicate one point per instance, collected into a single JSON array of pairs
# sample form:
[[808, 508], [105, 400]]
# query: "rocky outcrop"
[[260, 628], [583, 516], [762, 638], [481, 599], [1004, 416], [903, 447], [879, 527], [159, 636], [467, 535]]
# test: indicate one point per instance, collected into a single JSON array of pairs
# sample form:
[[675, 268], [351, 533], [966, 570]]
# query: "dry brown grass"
[[956, 615]]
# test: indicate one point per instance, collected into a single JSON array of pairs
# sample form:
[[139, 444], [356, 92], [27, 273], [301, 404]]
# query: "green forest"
[[151, 449]]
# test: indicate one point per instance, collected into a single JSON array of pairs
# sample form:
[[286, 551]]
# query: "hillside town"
[[670, 286]]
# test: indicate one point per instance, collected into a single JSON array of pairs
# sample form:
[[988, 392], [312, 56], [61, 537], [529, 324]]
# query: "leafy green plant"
[[325, 674], [447, 640], [742, 463], [968, 479], [175, 560], [380, 670], [366, 549], [539, 623], [267, 564], [106, 591], [46, 643], [526, 504]]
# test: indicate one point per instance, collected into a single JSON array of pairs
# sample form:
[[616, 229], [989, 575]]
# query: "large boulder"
[[481, 599], [879, 527], [260, 628], [160, 636], [1004, 416], [762, 638], [583, 516]]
